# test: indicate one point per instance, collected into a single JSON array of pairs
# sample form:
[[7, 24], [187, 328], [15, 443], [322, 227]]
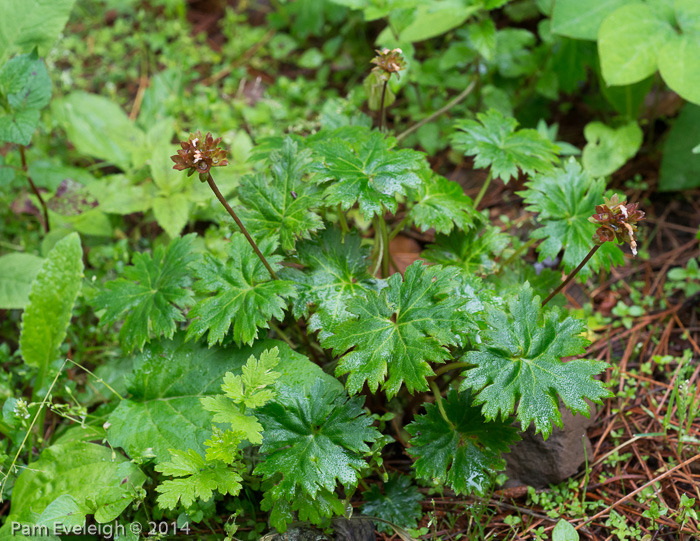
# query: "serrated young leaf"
[[365, 170], [519, 360], [281, 204], [399, 503], [495, 142], [257, 377], [51, 298], [464, 452], [198, 479], [564, 200], [323, 505], [398, 330], [223, 446], [336, 271], [245, 297], [314, 437], [152, 294], [226, 411], [442, 204], [475, 251]]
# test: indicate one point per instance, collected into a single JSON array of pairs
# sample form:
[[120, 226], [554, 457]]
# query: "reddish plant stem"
[[46, 225], [571, 276], [222, 200]]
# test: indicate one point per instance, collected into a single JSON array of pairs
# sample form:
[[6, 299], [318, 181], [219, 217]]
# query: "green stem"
[[378, 249], [222, 200], [438, 401], [399, 227], [451, 366], [46, 225], [381, 106], [482, 192], [343, 221], [571, 276], [282, 335], [522, 248], [385, 242]]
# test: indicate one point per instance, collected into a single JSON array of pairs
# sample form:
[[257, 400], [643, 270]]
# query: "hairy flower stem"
[[438, 401], [46, 225], [482, 192], [222, 200], [571, 276], [381, 106]]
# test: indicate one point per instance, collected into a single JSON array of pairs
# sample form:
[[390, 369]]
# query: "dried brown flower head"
[[388, 62], [199, 154], [617, 220]]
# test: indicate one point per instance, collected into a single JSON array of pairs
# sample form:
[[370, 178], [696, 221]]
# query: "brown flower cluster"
[[617, 220], [388, 62], [199, 154]]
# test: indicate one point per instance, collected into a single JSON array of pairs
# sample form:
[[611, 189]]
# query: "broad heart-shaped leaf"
[[198, 480], [680, 165], [679, 64], [364, 169], [581, 20], [26, 24], [399, 503], [281, 204], [152, 294], [495, 142], [565, 200], [629, 41], [51, 299], [314, 437], [399, 331], [464, 452], [170, 377], [93, 475], [607, 149], [245, 295], [17, 272], [519, 360], [336, 270], [475, 250], [172, 212], [442, 204], [19, 126]]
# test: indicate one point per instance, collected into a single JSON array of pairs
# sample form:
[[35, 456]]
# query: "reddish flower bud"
[[617, 220], [199, 154]]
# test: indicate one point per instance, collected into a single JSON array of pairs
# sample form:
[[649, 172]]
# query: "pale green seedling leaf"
[[608, 148], [564, 531]]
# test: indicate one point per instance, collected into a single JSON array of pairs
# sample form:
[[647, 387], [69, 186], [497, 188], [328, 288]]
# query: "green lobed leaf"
[[336, 270], [519, 360], [281, 204], [564, 201], [607, 149], [17, 272], [399, 503], [398, 331], [313, 438], [245, 297], [151, 296], [51, 299], [475, 250], [197, 479], [495, 142], [442, 204], [364, 169], [93, 475], [168, 380], [463, 451]]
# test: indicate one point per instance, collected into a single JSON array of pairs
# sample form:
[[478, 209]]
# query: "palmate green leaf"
[[399, 331], [364, 169], [313, 438], [245, 297], [463, 453], [336, 271], [51, 299], [519, 360], [475, 250], [169, 379], [564, 200], [399, 503], [151, 296], [442, 204], [197, 479], [281, 204], [495, 142]]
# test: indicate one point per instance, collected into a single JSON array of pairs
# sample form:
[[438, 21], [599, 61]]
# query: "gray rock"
[[538, 463], [355, 529]]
